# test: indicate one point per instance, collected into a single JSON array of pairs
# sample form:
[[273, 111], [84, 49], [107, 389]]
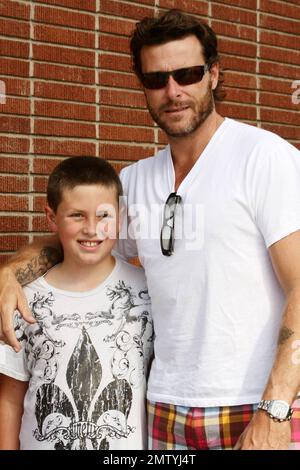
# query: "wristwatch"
[[279, 410]]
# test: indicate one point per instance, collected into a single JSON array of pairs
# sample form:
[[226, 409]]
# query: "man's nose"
[[173, 90]]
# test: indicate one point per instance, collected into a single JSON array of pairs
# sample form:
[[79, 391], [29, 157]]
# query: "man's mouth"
[[176, 110]]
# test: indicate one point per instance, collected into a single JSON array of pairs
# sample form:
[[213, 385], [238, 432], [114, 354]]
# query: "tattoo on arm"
[[39, 265], [284, 334]]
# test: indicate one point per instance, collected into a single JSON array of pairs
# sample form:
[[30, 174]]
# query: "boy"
[[81, 371]]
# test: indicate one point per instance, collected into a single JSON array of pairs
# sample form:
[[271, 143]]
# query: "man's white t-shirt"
[[216, 302], [86, 362]]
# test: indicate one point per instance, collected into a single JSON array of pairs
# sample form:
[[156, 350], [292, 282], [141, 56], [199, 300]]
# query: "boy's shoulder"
[[129, 271]]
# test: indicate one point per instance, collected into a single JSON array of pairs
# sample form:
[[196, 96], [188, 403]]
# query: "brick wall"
[[69, 90]]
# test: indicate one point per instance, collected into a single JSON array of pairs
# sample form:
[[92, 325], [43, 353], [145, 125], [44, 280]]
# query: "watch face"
[[279, 409]]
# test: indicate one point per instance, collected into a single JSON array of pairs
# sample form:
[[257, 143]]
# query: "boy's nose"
[[90, 228]]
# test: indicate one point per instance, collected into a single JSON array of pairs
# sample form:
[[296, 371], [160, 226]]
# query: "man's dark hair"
[[76, 171], [172, 25]]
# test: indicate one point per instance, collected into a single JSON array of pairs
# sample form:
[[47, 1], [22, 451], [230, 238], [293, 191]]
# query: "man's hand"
[[11, 298], [263, 433]]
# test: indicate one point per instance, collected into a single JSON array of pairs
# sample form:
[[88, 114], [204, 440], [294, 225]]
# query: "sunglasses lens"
[[167, 231], [189, 75], [186, 76], [155, 80], [166, 237]]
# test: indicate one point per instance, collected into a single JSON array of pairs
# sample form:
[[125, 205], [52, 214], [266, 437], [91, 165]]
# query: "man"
[[228, 196]]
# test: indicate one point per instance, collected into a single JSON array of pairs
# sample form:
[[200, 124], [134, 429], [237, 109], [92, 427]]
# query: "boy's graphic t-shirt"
[[86, 362]]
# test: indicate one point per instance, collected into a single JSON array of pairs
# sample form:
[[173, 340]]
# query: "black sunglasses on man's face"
[[167, 235], [185, 76]]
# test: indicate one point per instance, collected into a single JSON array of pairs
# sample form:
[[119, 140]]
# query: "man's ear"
[[214, 74], [51, 218]]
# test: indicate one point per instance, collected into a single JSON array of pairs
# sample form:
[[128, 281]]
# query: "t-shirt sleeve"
[[275, 193], [126, 246], [12, 363]]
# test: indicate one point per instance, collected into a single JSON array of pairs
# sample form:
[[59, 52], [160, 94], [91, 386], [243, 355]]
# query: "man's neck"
[[186, 151]]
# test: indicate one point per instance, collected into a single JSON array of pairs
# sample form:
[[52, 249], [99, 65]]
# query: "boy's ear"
[[51, 218]]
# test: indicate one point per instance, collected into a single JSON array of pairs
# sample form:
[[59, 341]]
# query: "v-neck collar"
[[194, 171]]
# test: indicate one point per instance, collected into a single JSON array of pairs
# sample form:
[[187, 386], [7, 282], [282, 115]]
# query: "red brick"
[[122, 98], [127, 134], [9, 164], [14, 124], [89, 5], [16, 86], [14, 9], [251, 4], [236, 31], [240, 96], [280, 40], [284, 117], [14, 145], [278, 70], [277, 101], [125, 9], [44, 166], [59, 35], [39, 224], [64, 73], [64, 128], [14, 48], [275, 85], [242, 65], [109, 61], [123, 152], [238, 111], [116, 26], [287, 132], [191, 6], [39, 203], [234, 15], [11, 223], [119, 80], [131, 117], [14, 28], [40, 184], [63, 55], [15, 67], [240, 80], [237, 48], [13, 203], [16, 106], [280, 55], [64, 18], [13, 242], [64, 92], [68, 148], [14, 184], [65, 110], [280, 8], [5, 258], [279, 24], [114, 43]]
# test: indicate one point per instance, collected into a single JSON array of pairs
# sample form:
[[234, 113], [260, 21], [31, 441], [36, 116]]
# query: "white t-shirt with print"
[[86, 362], [216, 302]]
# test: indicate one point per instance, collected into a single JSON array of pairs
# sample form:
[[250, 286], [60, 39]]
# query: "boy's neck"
[[80, 277]]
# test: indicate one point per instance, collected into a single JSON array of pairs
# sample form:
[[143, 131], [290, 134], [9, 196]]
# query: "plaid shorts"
[[214, 428]]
